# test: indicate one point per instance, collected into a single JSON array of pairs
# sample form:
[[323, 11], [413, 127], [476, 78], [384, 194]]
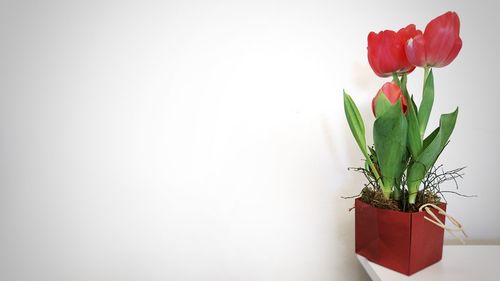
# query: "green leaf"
[[414, 137], [373, 155], [433, 146], [428, 140], [389, 135], [414, 105], [447, 124], [382, 104], [358, 131], [355, 122], [424, 111]]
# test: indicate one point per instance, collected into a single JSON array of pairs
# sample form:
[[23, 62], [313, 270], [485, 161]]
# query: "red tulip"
[[393, 93], [440, 43], [386, 51]]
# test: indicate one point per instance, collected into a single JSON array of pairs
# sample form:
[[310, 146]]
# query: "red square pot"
[[404, 242]]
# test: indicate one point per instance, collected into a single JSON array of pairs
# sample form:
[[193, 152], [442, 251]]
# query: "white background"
[[197, 140]]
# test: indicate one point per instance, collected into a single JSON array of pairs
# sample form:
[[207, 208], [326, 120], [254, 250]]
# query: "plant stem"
[[395, 79], [374, 170]]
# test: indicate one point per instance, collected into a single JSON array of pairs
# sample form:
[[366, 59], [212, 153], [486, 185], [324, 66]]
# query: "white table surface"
[[460, 262]]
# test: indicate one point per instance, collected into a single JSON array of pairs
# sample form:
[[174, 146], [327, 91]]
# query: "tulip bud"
[[392, 93], [439, 45]]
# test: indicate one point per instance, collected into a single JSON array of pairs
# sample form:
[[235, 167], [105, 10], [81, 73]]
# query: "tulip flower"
[[386, 51], [393, 93], [439, 45]]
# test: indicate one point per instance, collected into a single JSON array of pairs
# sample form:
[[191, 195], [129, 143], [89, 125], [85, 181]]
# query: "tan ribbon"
[[439, 223]]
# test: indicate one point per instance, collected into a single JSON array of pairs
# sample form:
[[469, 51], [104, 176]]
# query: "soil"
[[377, 199]]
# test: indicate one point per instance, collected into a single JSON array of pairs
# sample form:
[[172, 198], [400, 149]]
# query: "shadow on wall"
[[343, 219]]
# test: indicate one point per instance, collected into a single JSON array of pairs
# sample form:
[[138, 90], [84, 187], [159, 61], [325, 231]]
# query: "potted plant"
[[391, 227]]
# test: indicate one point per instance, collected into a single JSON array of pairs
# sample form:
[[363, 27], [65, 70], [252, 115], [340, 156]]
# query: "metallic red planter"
[[404, 242]]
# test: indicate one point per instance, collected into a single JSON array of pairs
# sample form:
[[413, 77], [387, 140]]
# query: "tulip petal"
[[405, 34], [387, 55], [373, 53], [440, 36], [415, 50], [453, 53]]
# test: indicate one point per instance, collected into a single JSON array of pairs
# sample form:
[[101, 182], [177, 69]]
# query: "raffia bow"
[[435, 220]]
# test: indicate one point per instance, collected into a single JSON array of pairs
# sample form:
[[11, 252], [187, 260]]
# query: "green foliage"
[[389, 136], [355, 122], [382, 105], [357, 127], [427, 101], [433, 146], [414, 136], [399, 145]]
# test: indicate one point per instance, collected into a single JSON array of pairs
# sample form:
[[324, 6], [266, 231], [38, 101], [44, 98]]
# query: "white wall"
[[156, 140]]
